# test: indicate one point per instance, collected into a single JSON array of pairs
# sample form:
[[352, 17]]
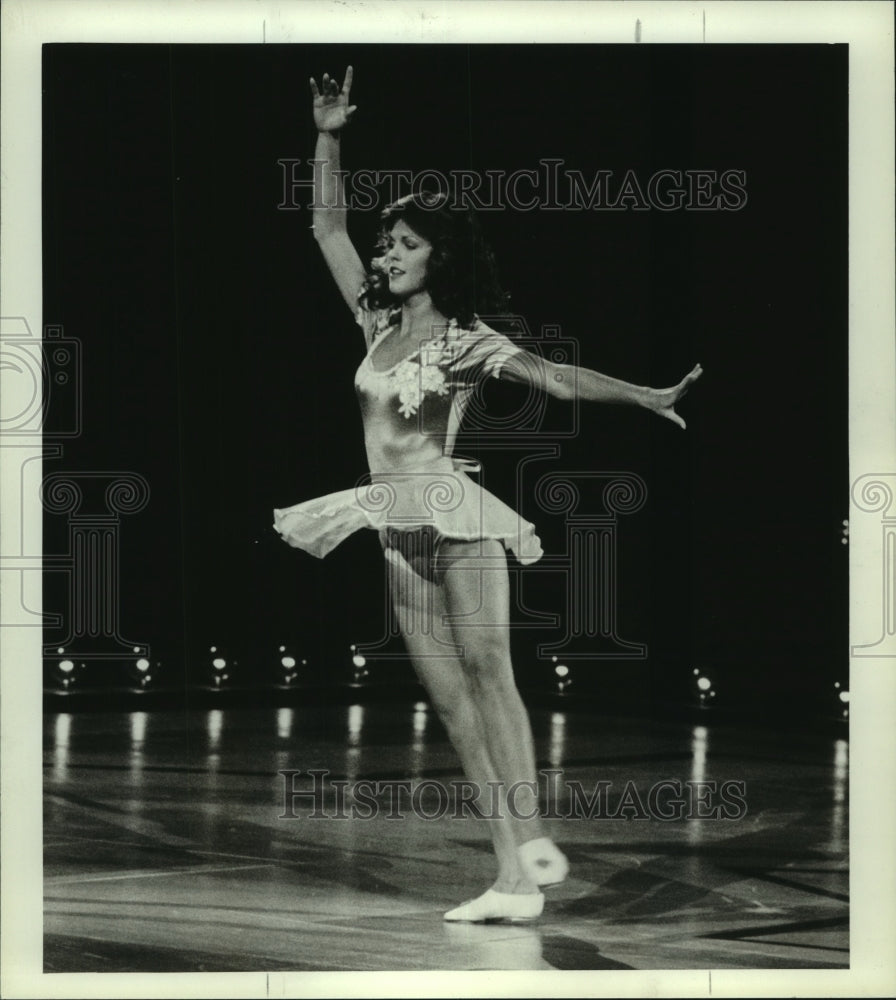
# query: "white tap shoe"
[[492, 905]]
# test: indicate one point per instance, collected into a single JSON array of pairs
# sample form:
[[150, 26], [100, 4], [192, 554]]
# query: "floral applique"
[[426, 372], [413, 381], [415, 378]]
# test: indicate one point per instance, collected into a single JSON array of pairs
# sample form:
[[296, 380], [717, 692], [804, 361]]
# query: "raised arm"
[[571, 382], [332, 111]]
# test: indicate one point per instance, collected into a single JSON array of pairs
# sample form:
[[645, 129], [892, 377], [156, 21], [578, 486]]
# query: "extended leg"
[[477, 592], [420, 605]]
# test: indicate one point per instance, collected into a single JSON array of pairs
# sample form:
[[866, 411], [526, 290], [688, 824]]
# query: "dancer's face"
[[406, 256]]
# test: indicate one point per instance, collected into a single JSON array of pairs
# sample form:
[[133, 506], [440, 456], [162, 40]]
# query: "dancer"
[[443, 536]]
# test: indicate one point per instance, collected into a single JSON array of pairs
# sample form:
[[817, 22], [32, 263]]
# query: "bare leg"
[[420, 605], [477, 588]]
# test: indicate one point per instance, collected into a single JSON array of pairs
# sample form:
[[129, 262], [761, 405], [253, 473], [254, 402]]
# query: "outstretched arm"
[[332, 112], [571, 382]]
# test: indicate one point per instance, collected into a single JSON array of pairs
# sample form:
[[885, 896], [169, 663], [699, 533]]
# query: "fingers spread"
[[670, 414], [347, 82]]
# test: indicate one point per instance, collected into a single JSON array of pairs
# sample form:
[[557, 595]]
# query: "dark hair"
[[461, 274]]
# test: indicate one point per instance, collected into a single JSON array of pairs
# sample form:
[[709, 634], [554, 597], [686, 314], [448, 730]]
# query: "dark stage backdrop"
[[218, 358]]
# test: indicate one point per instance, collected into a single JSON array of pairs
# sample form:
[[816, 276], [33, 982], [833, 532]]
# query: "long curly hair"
[[461, 274]]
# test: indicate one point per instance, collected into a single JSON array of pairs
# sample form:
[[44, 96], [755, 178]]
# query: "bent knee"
[[489, 668]]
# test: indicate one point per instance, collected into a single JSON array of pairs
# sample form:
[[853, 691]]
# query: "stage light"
[[64, 674], [563, 678], [218, 666], [288, 672], [842, 691], [704, 688], [139, 673], [360, 666]]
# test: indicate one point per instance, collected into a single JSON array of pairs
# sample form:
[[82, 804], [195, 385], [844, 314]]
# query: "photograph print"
[[445, 530]]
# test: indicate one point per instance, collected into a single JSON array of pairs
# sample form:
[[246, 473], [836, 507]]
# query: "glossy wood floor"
[[165, 850]]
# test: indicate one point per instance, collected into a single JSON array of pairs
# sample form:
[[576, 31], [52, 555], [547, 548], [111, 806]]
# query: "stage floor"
[[166, 846]]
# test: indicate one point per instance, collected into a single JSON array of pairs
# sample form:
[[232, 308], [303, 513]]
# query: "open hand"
[[331, 108], [662, 401]]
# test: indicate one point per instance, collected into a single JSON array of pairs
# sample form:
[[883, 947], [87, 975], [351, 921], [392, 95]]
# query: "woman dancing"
[[444, 537]]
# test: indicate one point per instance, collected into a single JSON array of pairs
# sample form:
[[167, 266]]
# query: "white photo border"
[[868, 29]]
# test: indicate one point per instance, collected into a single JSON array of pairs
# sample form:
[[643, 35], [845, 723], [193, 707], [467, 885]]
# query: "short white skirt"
[[439, 496]]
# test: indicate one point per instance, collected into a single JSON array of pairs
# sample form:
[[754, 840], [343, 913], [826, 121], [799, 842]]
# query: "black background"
[[219, 358]]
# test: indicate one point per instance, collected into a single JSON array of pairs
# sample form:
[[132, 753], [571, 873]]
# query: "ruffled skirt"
[[438, 499]]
